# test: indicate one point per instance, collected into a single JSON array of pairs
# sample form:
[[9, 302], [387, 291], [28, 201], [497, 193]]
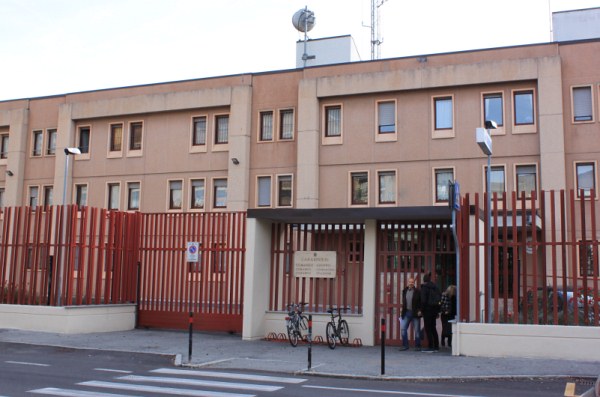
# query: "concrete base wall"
[[535, 341], [68, 319]]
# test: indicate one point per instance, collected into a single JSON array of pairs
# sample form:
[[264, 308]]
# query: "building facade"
[[354, 143]]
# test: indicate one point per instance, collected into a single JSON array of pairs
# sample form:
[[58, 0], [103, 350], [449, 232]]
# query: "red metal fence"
[[544, 258], [65, 255], [212, 288]]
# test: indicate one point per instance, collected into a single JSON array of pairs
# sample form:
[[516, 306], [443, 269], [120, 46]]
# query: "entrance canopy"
[[353, 215]]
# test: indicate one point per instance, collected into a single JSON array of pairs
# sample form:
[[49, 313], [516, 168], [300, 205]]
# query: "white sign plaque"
[[191, 252], [318, 264]]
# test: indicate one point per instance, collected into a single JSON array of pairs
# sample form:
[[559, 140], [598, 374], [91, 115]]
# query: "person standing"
[[430, 306], [411, 314], [448, 308]]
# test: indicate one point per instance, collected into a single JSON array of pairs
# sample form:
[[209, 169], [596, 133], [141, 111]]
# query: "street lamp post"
[[68, 151], [484, 140]]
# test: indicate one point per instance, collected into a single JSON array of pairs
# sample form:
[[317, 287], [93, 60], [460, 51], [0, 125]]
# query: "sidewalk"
[[214, 350]]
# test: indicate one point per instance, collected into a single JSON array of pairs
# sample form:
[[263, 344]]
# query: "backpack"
[[434, 297]]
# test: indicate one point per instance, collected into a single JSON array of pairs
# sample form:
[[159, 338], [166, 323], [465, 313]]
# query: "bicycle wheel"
[[292, 333], [330, 330], [344, 333], [303, 327]]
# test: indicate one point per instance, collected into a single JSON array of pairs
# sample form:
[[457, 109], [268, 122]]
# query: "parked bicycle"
[[337, 328], [296, 323]]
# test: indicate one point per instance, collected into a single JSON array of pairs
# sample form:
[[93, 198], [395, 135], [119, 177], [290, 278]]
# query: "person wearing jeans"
[[411, 314]]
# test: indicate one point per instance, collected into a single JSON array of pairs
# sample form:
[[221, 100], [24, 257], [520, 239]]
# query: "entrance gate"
[[407, 250]]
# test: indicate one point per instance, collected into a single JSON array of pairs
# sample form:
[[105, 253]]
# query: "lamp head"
[[72, 150], [491, 125]]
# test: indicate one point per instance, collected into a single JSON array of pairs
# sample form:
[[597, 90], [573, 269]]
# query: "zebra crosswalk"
[[176, 382]]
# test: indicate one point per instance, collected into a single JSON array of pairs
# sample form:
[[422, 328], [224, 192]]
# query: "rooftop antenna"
[[376, 39], [304, 20]]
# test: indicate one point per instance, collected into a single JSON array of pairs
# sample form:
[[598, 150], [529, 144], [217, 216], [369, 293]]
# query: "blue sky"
[[60, 46]]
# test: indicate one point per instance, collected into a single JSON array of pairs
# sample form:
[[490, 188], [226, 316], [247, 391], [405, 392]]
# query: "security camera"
[[72, 150]]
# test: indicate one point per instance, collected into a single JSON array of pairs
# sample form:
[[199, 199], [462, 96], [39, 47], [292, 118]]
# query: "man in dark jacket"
[[411, 314], [430, 307]]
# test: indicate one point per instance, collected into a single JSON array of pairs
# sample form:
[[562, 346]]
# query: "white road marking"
[[201, 383], [229, 375], [405, 393], [52, 391], [26, 363], [120, 371], [165, 390]]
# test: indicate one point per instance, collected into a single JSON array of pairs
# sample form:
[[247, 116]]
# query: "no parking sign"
[[191, 251]]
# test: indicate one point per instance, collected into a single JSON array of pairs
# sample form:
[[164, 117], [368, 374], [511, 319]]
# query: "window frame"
[[280, 124], [436, 191], [524, 128], [192, 195], [394, 202], [517, 174], [109, 196], [592, 104], [199, 147], [30, 190], [171, 191], [351, 176], [37, 143], [389, 136], [332, 139], [501, 130], [50, 150], [4, 146], [494, 166], [261, 126], [85, 155], [135, 152], [257, 193], [76, 194], [442, 133], [115, 153], [220, 146], [129, 185], [214, 193], [45, 190], [279, 195], [594, 164]]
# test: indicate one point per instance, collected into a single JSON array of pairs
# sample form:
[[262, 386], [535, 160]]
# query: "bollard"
[[191, 321], [383, 346], [309, 341]]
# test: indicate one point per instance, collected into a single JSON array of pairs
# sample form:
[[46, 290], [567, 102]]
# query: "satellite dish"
[[304, 20]]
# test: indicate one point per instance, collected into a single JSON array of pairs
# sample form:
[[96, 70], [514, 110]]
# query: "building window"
[[197, 192], [83, 139], [33, 196], [51, 143], [48, 196], [4, 146], [133, 196], [524, 111], [1, 197], [359, 188], [263, 191], [114, 195], [116, 137], [386, 117], [222, 129], [498, 181], [586, 178], [220, 193], [493, 108], [284, 190], [586, 258], [81, 195], [526, 179], [38, 138], [387, 187], [199, 135], [135, 135], [333, 121], [443, 112], [583, 104], [266, 126], [286, 124], [443, 177], [175, 195]]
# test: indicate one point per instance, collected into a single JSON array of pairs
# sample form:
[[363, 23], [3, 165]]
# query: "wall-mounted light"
[[235, 161], [9, 173]]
